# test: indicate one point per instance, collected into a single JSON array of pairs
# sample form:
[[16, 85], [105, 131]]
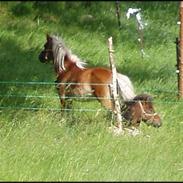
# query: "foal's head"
[[46, 54], [141, 109]]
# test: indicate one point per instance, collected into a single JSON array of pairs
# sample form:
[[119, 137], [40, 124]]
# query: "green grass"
[[41, 145]]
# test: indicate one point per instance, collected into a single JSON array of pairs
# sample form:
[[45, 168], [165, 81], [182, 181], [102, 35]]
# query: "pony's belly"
[[80, 90], [83, 91]]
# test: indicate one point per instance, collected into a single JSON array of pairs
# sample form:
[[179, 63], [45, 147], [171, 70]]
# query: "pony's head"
[[141, 109], [46, 54], [56, 51]]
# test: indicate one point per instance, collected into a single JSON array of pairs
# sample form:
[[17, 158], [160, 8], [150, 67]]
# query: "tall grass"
[[41, 145]]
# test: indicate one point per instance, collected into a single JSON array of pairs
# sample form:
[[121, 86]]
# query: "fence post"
[[181, 53], [117, 109], [178, 60], [118, 14]]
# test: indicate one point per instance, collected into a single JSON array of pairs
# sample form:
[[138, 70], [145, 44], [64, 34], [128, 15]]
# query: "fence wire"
[[48, 108], [31, 83], [47, 83]]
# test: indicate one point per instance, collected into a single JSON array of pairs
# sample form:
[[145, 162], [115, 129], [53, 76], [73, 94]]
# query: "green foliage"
[[42, 145], [22, 9]]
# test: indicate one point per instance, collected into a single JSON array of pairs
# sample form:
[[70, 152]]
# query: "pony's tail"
[[125, 87]]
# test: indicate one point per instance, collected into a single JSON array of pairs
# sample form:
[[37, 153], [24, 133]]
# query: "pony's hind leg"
[[106, 103], [103, 96]]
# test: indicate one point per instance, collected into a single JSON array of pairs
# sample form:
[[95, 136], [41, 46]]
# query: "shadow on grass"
[[19, 65]]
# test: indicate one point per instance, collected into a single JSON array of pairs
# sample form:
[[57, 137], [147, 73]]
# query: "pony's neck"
[[68, 65]]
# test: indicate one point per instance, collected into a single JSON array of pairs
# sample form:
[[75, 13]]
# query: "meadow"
[[47, 145]]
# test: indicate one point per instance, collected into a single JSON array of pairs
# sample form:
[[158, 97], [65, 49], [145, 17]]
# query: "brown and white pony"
[[74, 78]]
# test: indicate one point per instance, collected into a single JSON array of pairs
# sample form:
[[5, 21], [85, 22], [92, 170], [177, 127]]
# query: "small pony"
[[73, 78]]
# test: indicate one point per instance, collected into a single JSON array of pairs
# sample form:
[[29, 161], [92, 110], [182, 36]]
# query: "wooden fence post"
[[178, 60], [118, 14], [117, 109], [181, 53]]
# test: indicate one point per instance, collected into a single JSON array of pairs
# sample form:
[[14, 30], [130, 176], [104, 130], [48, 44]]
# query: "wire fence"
[[35, 108], [47, 83], [11, 96], [48, 108], [31, 83]]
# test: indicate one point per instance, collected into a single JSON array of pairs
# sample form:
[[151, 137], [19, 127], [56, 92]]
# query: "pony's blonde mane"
[[60, 51]]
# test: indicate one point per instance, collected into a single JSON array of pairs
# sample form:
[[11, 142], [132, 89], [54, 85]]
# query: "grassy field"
[[45, 145]]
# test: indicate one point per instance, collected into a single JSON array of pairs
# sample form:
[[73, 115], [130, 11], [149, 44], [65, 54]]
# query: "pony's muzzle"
[[42, 57], [157, 125], [156, 122]]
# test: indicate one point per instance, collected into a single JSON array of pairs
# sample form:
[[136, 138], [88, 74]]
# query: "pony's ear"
[[143, 97], [129, 103], [48, 37], [149, 98]]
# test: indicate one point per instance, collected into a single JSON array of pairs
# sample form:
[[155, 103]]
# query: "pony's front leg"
[[61, 92], [62, 100]]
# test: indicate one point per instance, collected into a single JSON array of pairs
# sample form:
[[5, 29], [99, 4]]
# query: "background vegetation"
[[52, 146]]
